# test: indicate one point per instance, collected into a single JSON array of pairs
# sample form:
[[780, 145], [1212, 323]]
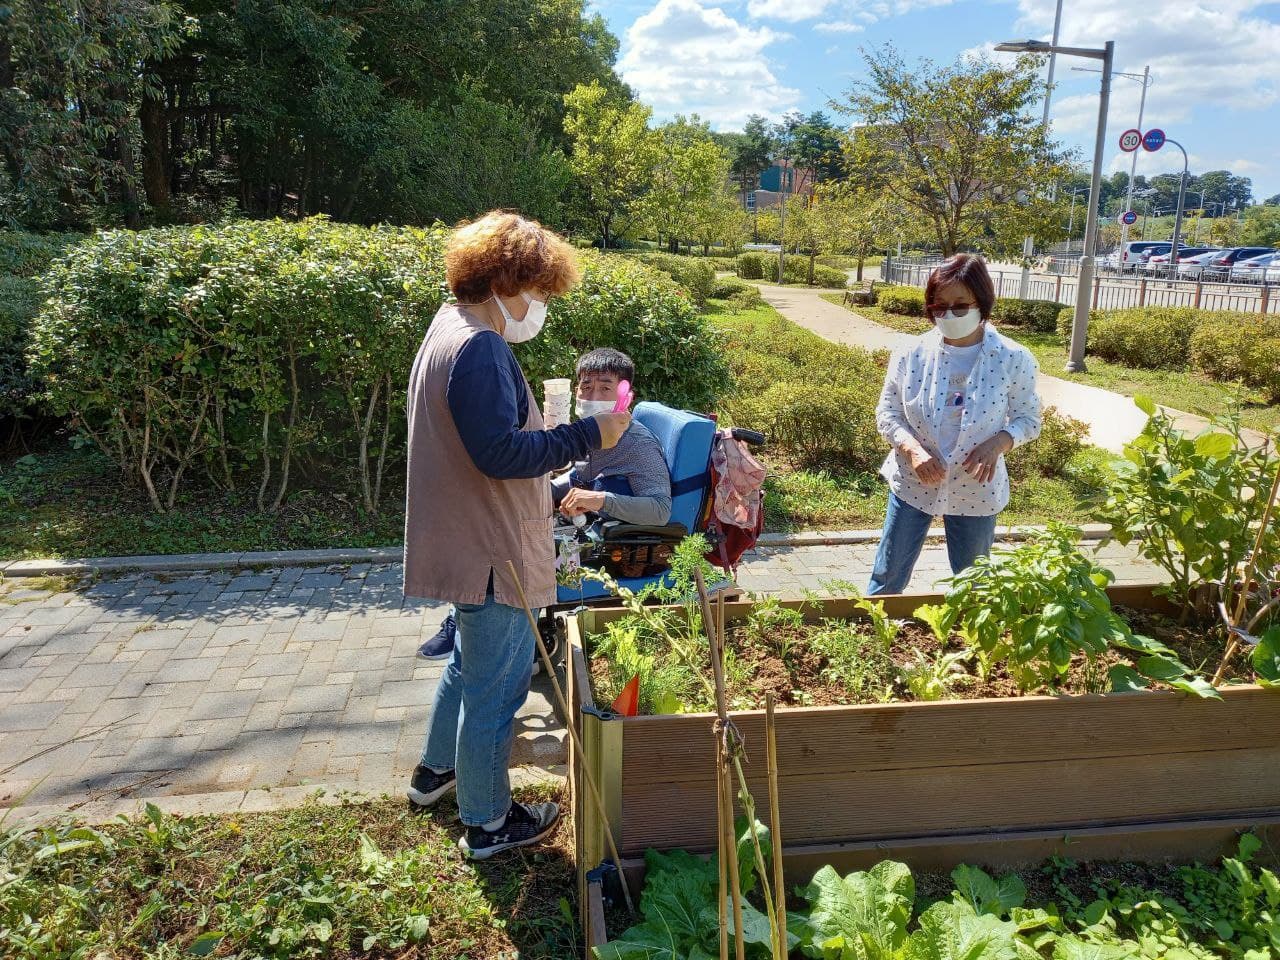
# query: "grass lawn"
[[1177, 389], [63, 501], [357, 879]]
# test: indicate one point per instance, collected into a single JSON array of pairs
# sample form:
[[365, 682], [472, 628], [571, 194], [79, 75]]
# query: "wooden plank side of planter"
[[944, 733], [994, 796]]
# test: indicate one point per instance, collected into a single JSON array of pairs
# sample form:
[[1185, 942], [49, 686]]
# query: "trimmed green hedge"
[[696, 275], [764, 266], [1041, 315], [815, 399], [904, 301], [257, 353], [1244, 348]]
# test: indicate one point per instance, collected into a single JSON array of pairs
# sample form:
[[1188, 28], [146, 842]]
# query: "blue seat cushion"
[[686, 440]]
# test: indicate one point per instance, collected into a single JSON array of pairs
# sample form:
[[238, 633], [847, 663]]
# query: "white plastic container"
[[555, 404]]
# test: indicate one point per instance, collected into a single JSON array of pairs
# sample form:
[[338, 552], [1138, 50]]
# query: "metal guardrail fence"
[[1112, 291]]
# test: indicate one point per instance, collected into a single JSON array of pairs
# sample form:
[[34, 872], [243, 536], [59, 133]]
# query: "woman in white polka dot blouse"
[[953, 404]]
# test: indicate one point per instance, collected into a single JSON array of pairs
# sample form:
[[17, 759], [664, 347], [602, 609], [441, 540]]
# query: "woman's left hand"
[[578, 501], [982, 459]]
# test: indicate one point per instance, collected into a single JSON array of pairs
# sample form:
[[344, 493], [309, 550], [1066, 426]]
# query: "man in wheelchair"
[[628, 484]]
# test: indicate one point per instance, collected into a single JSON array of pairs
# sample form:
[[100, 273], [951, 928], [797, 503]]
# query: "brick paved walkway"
[[218, 691]]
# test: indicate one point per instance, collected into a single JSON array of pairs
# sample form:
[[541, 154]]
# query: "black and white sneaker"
[[527, 823], [552, 643], [427, 786]]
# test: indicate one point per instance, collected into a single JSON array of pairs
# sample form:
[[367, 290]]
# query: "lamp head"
[[1023, 46]]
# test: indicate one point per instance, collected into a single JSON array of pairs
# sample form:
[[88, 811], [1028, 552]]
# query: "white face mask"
[[957, 326], [518, 331], [589, 408]]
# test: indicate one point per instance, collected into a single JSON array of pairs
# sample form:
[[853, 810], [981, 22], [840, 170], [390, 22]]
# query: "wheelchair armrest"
[[615, 530]]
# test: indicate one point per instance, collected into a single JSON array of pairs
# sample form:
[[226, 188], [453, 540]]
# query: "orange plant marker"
[[628, 702]]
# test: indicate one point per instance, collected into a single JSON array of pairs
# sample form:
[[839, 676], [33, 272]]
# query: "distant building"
[[781, 179]]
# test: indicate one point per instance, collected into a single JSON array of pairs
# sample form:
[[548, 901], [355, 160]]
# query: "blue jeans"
[[905, 529], [472, 722]]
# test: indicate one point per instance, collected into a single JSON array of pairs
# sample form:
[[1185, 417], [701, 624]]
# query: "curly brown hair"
[[506, 254]]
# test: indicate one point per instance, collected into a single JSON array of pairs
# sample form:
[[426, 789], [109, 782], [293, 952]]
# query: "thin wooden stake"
[[1234, 643], [775, 821], [723, 776], [550, 669], [723, 860]]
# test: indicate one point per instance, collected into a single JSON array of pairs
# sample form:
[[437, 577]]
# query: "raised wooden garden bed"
[[1129, 776]]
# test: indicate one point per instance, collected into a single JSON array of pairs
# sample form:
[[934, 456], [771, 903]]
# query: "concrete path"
[[1113, 419], [210, 691]]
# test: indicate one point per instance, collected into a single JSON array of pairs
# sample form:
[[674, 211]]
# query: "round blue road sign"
[[1153, 139], [1129, 217]]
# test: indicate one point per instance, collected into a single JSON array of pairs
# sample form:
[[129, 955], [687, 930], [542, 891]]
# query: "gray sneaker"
[[527, 823]]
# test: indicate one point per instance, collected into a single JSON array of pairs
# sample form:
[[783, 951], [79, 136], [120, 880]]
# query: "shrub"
[[696, 275], [726, 287], [23, 258], [635, 308], [906, 301], [1061, 438], [1153, 338], [1244, 348], [748, 299], [820, 426], [257, 351], [751, 266], [1041, 315], [829, 277]]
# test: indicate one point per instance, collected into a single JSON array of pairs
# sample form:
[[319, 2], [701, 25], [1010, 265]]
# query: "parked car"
[[1190, 268], [1273, 273], [1254, 270], [1159, 263], [1137, 252], [1219, 268]]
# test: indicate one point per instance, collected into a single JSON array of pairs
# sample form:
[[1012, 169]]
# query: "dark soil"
[[799, 669]]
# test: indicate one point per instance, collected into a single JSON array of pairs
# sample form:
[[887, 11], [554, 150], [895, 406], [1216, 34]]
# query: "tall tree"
[[961, 145], [813, 145], [690, 174], [613, 156], [69, 83], [754, 153]]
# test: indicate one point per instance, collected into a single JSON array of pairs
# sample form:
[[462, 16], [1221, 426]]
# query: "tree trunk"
[[155, 154], [860, 259]]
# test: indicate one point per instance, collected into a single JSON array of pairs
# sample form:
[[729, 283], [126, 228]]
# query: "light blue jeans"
[[472, 722], [905, 530]]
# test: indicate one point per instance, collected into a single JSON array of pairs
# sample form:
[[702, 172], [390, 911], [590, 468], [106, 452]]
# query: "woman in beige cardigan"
[[479, 498]]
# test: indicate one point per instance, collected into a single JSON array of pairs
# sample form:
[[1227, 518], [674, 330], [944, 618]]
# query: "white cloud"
[[793, 11], [683, 57], [839, 26], [1220, 55]]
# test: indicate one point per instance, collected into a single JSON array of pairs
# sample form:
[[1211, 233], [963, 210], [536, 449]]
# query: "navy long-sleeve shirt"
[[489, 404]]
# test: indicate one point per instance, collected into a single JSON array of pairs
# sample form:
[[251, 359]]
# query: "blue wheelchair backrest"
[[686, 440]]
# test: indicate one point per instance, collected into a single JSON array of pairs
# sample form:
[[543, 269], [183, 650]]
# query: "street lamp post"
[[1071, 218], [1084, 284], [1145, 79]]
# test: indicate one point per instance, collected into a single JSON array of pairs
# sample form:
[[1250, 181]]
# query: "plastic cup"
[[555, 405]]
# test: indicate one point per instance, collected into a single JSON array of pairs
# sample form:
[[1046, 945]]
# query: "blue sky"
[[1216, 65]]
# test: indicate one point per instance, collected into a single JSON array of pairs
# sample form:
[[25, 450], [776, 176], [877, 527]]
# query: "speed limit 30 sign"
[[1130, 140]]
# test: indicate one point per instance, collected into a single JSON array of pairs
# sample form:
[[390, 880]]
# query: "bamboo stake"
[[723, 783], [775, 820], [724, 840], [550, 669], [1249, 570]]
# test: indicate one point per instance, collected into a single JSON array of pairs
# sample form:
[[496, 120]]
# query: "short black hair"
[[607, 360]]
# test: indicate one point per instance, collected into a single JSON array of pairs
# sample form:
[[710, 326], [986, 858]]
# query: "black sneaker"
[[552, 643], [440, 646], [526, 824], [427, 786]]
